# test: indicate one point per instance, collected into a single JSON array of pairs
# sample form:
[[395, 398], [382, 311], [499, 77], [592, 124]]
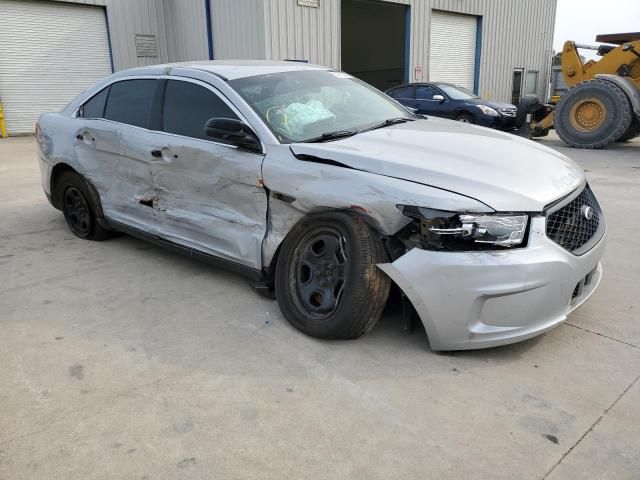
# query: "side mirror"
[[233, 132], [438, 98]]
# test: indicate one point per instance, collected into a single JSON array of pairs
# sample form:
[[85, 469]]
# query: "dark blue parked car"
[[450, 101]]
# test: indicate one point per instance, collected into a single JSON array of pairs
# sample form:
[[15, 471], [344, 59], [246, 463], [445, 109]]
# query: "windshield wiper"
[[325, 137], [390, 121]]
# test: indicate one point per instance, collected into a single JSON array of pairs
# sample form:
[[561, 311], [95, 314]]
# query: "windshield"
[[457, 93], [304, 105]]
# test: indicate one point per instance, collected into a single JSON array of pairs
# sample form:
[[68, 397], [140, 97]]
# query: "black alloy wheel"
[[76, 211], [320, 272], [81, 209]]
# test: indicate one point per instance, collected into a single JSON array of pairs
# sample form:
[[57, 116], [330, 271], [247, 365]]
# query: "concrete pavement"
[[121, 360]]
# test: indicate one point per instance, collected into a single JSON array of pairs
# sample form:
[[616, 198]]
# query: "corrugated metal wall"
[[186, 30], [128, 18], [303, 33], [238, 29], [516, 33]]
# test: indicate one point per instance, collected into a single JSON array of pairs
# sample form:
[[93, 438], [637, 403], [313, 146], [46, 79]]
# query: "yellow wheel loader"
[[602, 105]]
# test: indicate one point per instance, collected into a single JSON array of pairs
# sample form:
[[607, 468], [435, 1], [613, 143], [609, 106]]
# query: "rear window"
[[129, 102], [94, 108], [188, 106]]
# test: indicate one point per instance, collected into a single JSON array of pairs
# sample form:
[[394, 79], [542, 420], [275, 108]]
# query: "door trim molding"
[[228, 265]]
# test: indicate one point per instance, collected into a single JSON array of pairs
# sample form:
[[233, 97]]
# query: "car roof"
[[231, 69], [418, 84]]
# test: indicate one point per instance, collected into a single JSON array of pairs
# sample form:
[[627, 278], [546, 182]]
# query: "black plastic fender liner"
[[628, 86]]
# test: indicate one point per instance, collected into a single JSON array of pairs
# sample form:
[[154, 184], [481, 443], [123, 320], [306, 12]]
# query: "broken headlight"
[[443, 230]]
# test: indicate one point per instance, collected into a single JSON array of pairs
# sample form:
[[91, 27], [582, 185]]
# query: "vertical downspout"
[[207, 14], [106, 21], [476, 73], [407, 43]]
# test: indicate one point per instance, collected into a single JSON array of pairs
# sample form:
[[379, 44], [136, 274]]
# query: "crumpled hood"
[[504, 171]]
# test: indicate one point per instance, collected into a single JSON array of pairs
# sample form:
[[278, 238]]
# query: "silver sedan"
[[326, 194]]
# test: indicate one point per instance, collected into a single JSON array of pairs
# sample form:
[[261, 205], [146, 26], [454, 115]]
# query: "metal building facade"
[[512, 34], [515, 34]]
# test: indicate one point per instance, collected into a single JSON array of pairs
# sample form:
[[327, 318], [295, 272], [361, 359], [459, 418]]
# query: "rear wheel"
[[593, 114], [79, 210], [327, 282]]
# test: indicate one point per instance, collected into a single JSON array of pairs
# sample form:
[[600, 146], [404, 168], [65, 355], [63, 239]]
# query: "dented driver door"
[[209, 195]]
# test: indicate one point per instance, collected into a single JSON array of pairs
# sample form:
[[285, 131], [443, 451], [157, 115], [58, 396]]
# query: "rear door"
[[114, 146], [210, 194], [405, 95]]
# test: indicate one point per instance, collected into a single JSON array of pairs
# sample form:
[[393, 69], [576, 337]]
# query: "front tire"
[[465, 118], [79, 210], [327, 283]]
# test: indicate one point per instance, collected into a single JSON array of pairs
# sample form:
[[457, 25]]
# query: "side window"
[[129, 102], [426, 92], [188, 106], [94, 108], [402, 92]]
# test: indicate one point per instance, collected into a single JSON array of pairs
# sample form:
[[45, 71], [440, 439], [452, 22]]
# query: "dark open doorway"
[[375, 41]]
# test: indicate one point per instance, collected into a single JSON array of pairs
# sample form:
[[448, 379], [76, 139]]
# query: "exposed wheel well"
[[57, 171], [461, 113], [271, 269]]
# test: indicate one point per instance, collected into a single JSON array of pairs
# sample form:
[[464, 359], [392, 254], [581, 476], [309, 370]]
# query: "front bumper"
[[500, 122], [484, 299]]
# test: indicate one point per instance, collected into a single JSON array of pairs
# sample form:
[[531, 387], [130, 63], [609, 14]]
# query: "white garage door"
[[452, 48], [49, 53]]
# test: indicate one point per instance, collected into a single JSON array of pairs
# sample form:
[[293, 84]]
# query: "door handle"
[[156, 153]]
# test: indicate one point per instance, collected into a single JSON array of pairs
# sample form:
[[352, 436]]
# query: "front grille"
[[569, 226], [508, 112]]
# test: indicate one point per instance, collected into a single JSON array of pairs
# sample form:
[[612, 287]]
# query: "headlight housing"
[[488, 110], [443, 230]]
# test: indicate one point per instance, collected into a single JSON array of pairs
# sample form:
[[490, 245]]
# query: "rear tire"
[[78, 208], [593, 114], [327, 283]]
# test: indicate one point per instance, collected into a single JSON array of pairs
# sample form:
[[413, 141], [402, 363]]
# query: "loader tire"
[[593, 114], [632, 132]]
